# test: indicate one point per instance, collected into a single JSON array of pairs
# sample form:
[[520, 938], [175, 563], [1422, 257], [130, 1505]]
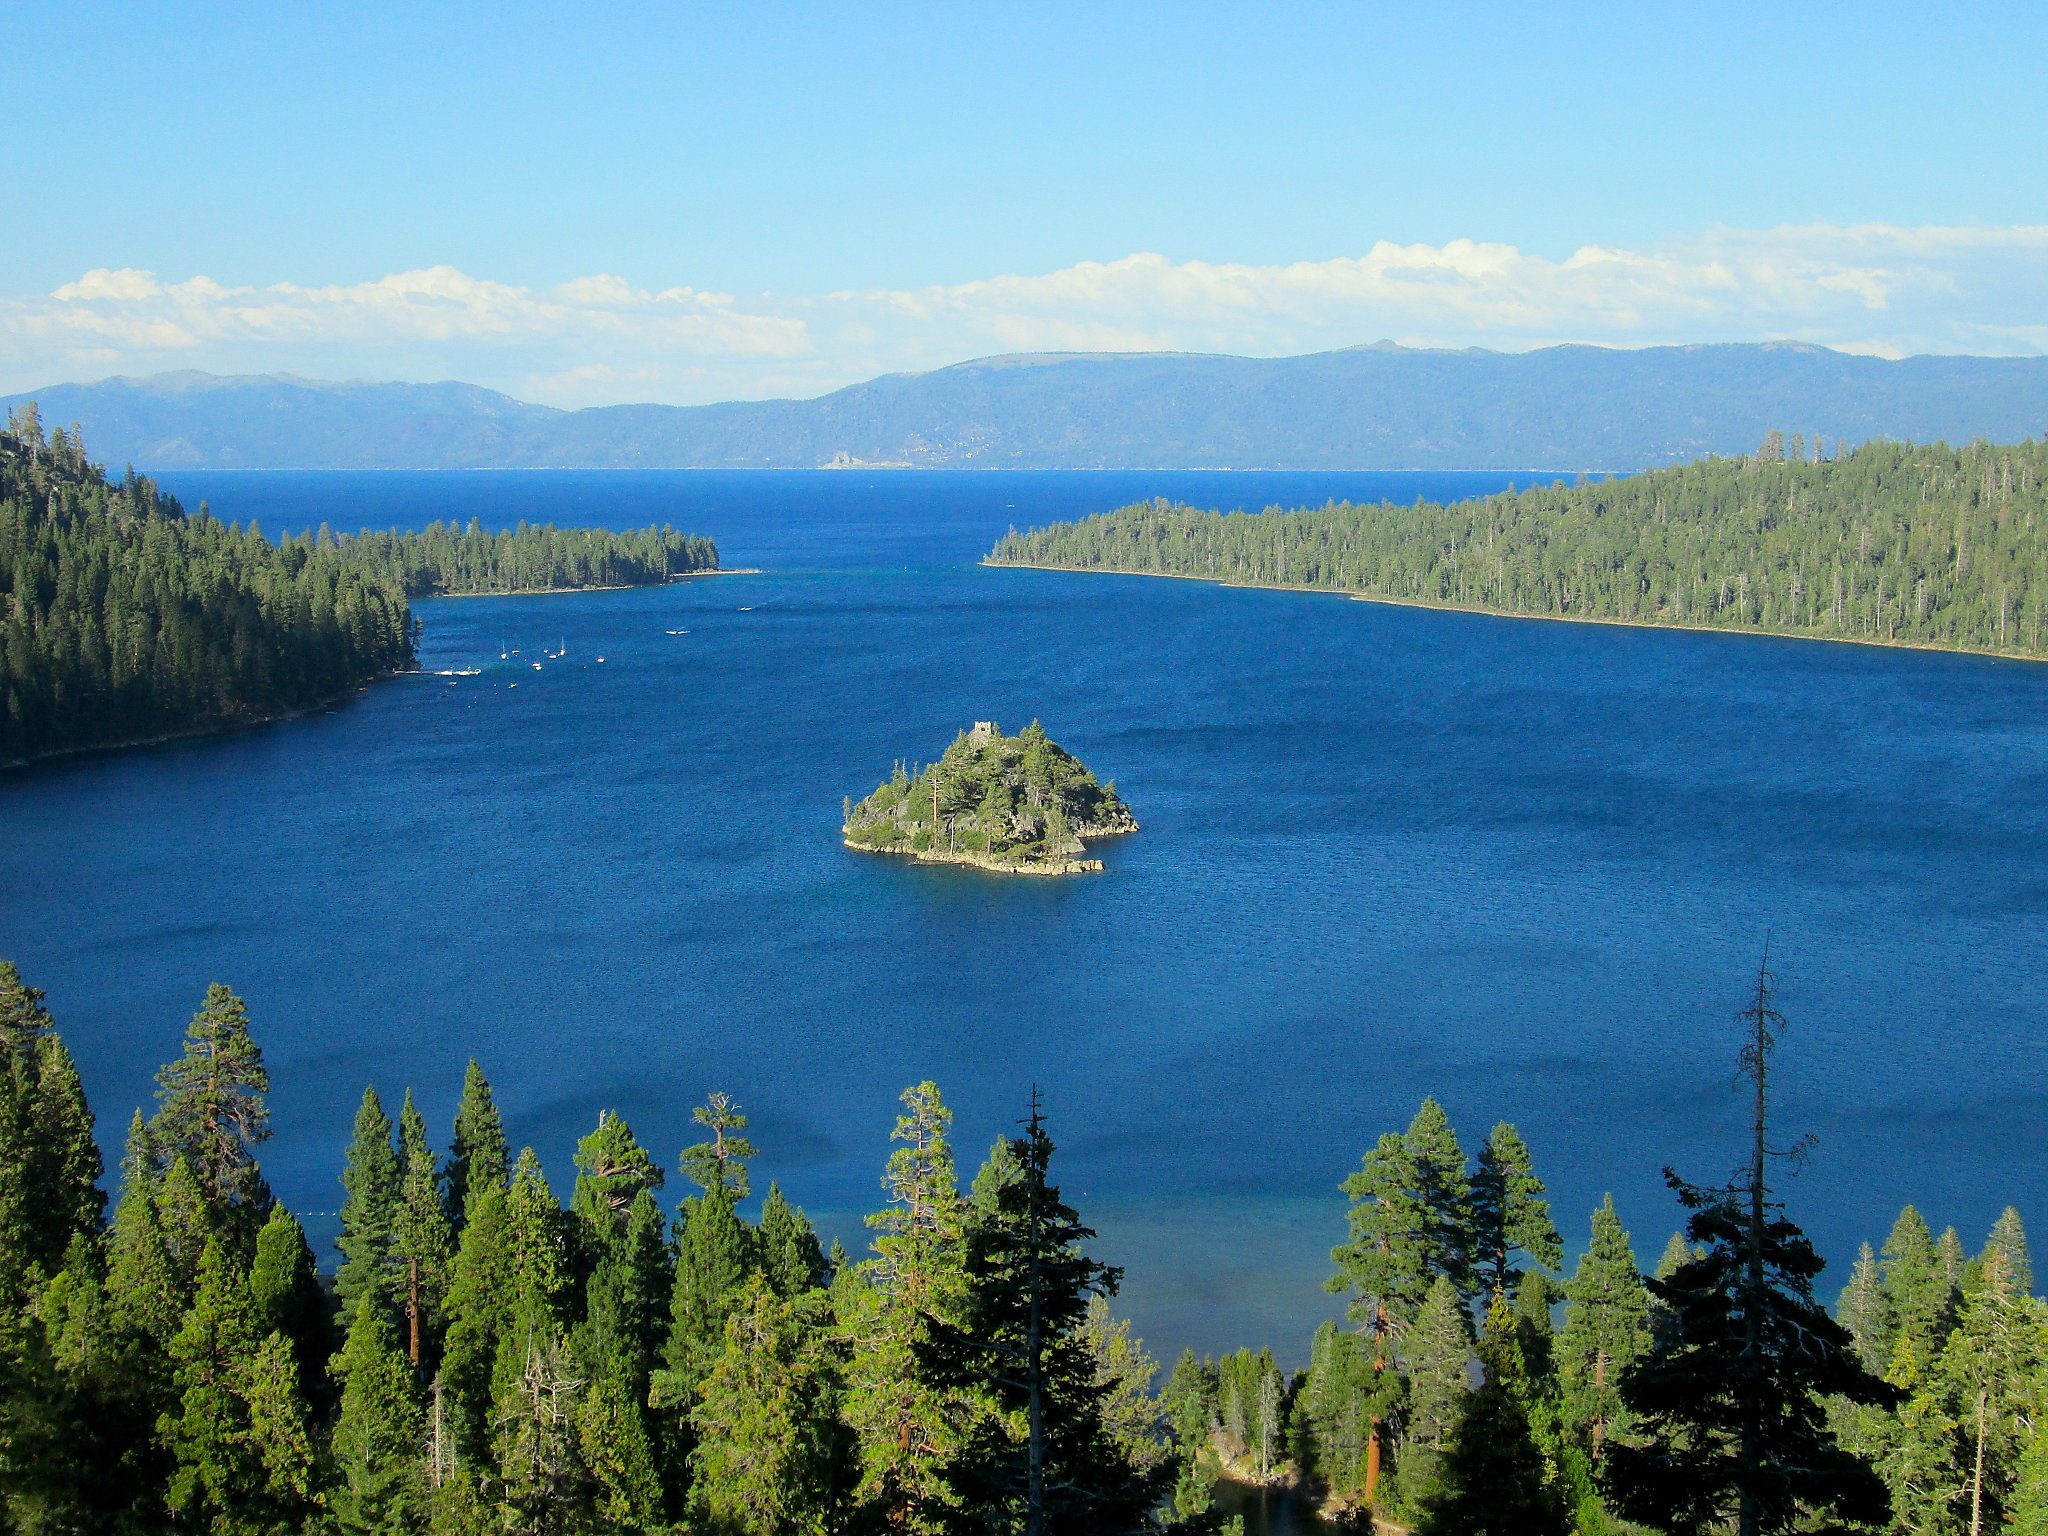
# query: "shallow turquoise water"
[[1524, 866]]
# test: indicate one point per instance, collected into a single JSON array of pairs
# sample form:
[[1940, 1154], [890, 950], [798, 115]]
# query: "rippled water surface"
[[1386, 852]]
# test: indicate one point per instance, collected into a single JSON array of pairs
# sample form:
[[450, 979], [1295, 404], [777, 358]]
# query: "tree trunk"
[[1599, 1384], [1372, 1443], [1977, 1480], [1748, 1516], [1034, 1518]]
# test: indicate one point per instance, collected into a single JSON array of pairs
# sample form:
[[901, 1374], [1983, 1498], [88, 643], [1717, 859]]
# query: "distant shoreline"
[[226, 727], [212, 728], [617, 586], [1552, 618]]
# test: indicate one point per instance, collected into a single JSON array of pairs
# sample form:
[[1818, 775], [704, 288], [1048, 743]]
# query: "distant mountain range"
[[1377, 407]]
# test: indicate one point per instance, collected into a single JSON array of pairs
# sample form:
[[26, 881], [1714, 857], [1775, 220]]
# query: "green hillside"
[[124, 618], [1893, 542]]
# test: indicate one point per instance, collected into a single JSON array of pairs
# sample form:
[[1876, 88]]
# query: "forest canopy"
[[124, 618], [487, 1357], [1893, 542]]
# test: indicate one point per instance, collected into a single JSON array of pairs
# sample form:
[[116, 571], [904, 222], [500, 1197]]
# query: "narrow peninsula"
[[1018, 805], [1886, 544]]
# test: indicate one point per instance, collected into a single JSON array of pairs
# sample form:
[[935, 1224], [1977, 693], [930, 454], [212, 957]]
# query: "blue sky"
[[620, 201]]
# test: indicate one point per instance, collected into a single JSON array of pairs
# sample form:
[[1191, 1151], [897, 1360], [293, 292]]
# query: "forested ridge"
[[1892, 542], [485, 1359], [442, 559], [123, 618]]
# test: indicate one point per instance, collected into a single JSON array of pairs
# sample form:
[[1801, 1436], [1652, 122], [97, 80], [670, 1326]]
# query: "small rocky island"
[[1019, 805]]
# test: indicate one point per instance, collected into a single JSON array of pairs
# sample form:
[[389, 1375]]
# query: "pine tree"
[[50, 1216], [479, 1157], [721, 1162], [627, 1301], [1914, 1449], [612, 1168], [207, 1432], [1437, 1353], [620, 1456], [790, 1255], [1918, 1299], [422, 1244], [762, 1463], [1125, 1372], [2008, 1242], [145, 1299], [1509, 1213], [65, 1158], [23, 1019], [537, 1274], [1676, 1255], [542, 1485], [1495, 1480], [286, 1297], [536, 1389], [615, 1346], [49, 1163], [714, 1256], [1446, 1192], [1731, 1405], [24, 1022], [81, 1453], [1045, 1460], [285, 1494], [1387, 1269], [187, 1222], [1860, 1309], [1976, 1411], [1189, 1402], [369, 1208], [1606, 1329], [479, 1319], [907, 1422], [1189, 1398], [1954, 1263], [1538, 1388], [210, 1112], [380, 1432], [1335, 1404]]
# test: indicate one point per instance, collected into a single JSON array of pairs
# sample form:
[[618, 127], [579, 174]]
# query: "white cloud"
[[1881, 289]]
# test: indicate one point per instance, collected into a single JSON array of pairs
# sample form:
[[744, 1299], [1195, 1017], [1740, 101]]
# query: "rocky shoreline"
[[994, 865]]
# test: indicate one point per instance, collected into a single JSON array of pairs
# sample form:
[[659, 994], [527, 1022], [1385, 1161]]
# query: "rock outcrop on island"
[[1014, 804]]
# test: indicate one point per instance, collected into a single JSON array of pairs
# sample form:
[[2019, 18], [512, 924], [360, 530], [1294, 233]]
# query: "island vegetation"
[[483, 1359], [1018, 804], [443, 559], [123, 618], [1892, 543]]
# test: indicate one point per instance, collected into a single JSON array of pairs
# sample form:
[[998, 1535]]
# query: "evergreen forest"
[[123, 618], [1892, 542], [481, 1357]]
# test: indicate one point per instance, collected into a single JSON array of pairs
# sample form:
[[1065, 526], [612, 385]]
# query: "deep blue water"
[[1525, 866]]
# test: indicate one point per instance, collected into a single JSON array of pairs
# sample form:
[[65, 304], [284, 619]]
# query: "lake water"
[[1525, 866]]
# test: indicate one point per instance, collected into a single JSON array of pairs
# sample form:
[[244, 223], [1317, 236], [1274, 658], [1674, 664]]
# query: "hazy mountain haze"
[[1377, 407]]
